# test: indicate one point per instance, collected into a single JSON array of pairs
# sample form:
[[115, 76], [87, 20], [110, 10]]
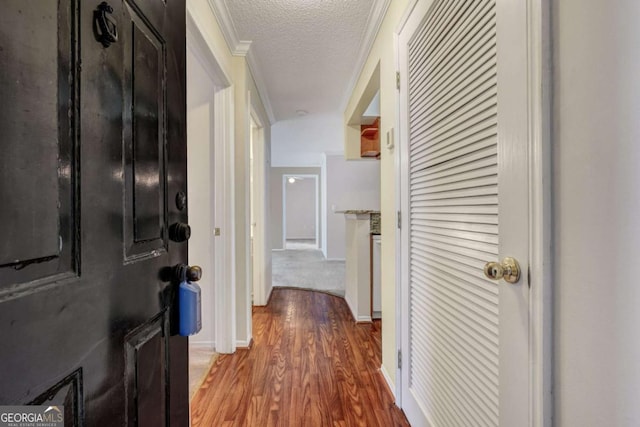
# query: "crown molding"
[[221, 12], [241, 48], [374, 22], [260, 85]]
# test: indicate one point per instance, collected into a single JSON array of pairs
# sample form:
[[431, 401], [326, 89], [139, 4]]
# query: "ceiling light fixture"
[[292, 180], [302, 112]]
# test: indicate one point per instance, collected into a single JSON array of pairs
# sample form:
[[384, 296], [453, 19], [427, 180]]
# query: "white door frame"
[[284, 206], [538, 57], [261, 289], [540, 213], [223, 204]]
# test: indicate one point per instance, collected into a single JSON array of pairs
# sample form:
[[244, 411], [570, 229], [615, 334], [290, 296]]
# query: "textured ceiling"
[[305, 50]]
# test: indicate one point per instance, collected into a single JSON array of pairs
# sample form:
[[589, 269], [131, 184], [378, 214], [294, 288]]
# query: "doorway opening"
[[200, 133], [364, 139], [209, 197], [300, 212]]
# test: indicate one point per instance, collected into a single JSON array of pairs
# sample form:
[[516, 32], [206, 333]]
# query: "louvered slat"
[[474, 44], [452, 225], [471, 219], [467, 337], [478, 158], [461, 141], [471, 253], [441, 17], [474, 100], [453, 215], [474, 51], [450, 67]]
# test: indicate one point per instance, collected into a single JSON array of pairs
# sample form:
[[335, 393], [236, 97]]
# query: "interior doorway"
[[209, 196], [300, 213], [200, 195]]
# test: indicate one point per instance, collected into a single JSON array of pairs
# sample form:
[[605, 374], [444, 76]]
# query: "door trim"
[[540, 213], [540, 224], [410, 406]]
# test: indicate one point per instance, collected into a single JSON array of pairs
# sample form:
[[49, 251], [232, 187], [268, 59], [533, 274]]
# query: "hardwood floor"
[[310, 365]]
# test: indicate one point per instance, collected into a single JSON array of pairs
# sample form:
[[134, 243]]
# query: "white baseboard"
[[202, 344], [243, 343], [356, 318], [336, 259], [390, 384], [277, 250], [350, 305]]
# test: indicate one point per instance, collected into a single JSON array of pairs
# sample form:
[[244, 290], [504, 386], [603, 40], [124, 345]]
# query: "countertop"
[[356, 212], [373, 217]]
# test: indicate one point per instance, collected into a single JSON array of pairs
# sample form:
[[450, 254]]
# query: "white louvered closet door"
[[466, 338]]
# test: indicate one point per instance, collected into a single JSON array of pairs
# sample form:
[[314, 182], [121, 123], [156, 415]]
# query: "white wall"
[[200, 109], [301, 141], [383, 56], [301, 208], [596, 155], [350, 185]]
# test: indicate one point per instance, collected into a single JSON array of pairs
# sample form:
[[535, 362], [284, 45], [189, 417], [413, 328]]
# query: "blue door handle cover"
[[190, 308]]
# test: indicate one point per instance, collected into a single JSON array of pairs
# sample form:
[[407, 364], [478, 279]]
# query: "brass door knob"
[[182, 272], [508, 269], [194, 273]]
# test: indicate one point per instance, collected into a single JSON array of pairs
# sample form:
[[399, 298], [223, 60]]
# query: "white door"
[[464, 142]]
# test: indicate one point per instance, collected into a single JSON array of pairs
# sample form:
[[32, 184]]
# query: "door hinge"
[[399, 218], [399, 359], [398, 80]]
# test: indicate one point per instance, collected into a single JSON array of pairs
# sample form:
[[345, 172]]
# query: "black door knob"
[[182, 272], [179, 232]]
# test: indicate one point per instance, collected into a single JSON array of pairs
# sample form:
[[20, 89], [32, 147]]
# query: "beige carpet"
[[308, 269]]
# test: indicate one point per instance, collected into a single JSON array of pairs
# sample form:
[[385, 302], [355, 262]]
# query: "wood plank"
[[310, 365]]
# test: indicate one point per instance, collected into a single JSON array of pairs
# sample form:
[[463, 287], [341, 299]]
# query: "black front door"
[[92, 165]]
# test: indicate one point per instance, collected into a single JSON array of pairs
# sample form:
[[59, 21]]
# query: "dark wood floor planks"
[[310, 365]]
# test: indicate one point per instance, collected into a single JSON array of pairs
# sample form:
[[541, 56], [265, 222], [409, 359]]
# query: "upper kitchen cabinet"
[[370, 129], [370, 137]]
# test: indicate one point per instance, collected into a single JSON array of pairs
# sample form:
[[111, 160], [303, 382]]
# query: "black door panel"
[[38, 221], [91, 154]]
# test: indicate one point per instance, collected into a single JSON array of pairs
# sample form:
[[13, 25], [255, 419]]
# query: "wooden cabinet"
[[370, 139]]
